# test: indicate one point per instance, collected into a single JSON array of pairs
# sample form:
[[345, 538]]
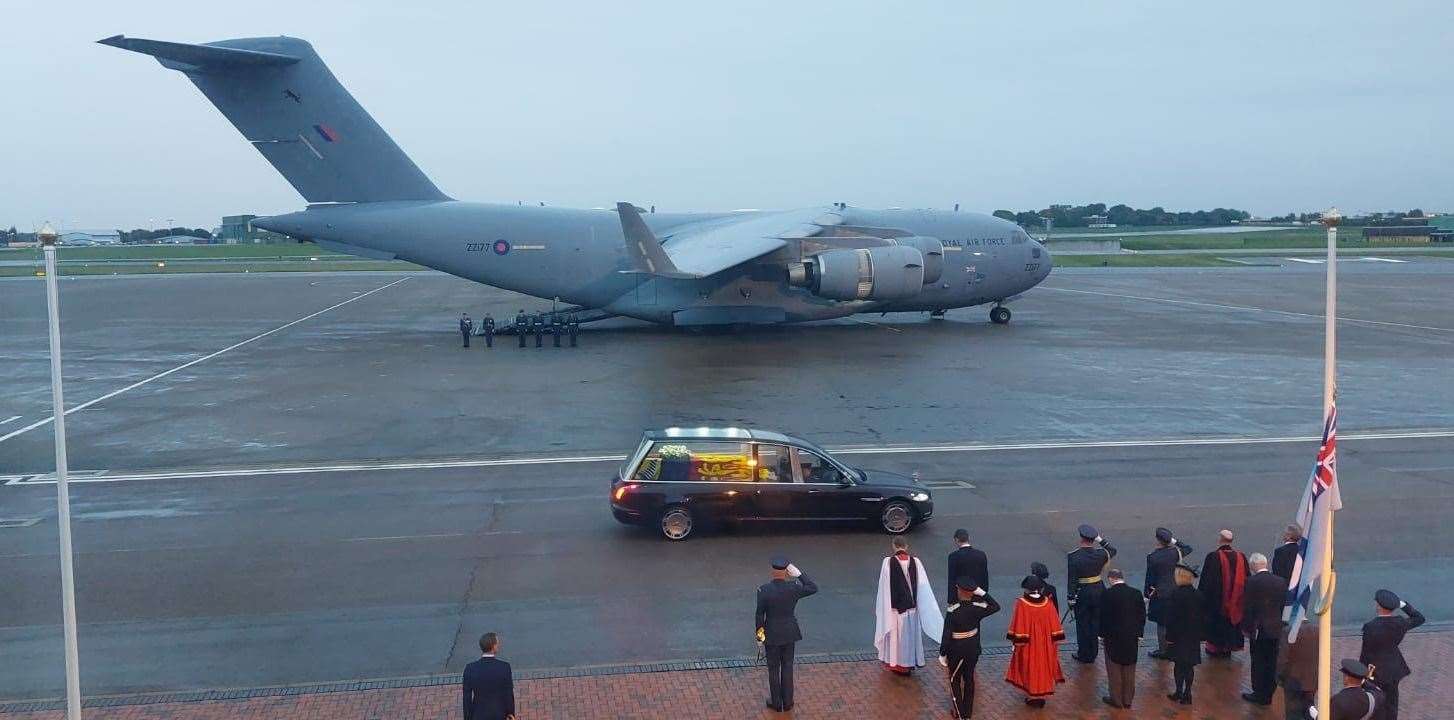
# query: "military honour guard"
[[487, 328], [959, 646], [522, 326], [1381, 638], [776, 622], [1359, 699], [1160, 581], [466, 327], [1083, 586]]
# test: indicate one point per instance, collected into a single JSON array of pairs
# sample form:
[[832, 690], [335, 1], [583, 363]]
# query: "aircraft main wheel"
[[1000, 315], [676, 523], [897, 517]]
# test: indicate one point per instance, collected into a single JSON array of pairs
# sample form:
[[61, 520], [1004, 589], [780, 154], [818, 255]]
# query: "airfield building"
[[239, 230]]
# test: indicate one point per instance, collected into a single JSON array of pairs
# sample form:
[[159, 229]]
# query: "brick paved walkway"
[[825, 690]]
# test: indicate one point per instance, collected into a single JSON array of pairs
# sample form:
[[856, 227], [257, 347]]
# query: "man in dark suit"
[[1381, 638], [489, 689], [1122, 622], [777, 627], [1160, 581], [1285, 556], [967, 561], [1359, 699], [1262, 623], [1297, 669]]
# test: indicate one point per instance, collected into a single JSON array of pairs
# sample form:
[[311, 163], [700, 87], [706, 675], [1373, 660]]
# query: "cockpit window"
[[1035, 252]]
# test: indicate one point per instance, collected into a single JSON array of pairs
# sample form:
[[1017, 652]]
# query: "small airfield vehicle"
[[679, 479]]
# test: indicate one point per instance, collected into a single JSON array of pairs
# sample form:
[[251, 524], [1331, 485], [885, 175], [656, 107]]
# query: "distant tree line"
[[141, 236], [1064, 216]]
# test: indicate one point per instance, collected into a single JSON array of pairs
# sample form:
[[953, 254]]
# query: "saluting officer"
[[520, 327], [1084, 585], [574, 326], [487, 328], [1381, 638], [466, 326], [777, 627], [1160, 581], [959, 648], [537, 326], [555, 328]]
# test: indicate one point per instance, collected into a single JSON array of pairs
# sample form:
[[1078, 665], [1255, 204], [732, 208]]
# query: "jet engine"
[[894, 272], [933, 252]]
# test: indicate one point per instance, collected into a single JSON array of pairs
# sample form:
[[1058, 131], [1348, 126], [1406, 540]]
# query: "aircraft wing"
[[707, 248]]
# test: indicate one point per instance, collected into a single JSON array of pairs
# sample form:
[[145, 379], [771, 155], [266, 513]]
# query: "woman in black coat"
[[1039, 570], [1185, 630]]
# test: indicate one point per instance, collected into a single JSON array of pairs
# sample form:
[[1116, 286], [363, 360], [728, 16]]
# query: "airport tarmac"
[[423, 506]]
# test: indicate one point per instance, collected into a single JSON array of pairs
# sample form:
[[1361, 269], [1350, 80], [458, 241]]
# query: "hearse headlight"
[[919, 497]]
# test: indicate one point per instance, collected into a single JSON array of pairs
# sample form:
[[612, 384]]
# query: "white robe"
[[895, 636]]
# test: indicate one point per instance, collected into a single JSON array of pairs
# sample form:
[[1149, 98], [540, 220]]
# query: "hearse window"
[[775, 464], [815, 469], [696, 461]]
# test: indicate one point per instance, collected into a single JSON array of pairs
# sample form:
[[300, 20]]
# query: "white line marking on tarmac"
[[102, 476], [184, 366], [10, 419], [1246, 308]]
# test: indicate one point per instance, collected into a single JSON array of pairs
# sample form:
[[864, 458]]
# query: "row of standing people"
[[540, 325], [1238, 596]]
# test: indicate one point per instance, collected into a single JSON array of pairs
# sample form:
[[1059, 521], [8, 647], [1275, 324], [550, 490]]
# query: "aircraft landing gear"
[[1000, 315], [937, 314]]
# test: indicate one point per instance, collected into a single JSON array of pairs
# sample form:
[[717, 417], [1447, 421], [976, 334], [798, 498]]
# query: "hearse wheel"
[[676, 523], [897, 517]]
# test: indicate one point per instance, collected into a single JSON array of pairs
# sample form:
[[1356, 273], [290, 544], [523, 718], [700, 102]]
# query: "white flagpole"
[[1325, 593]]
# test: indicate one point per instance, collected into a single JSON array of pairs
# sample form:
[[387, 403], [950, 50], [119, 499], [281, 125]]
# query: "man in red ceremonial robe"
[[1224, 577], [1035, 632]]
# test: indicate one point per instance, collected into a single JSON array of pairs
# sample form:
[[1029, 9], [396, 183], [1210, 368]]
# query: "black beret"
[[1354, 668], [779, 562], [1386, 599]]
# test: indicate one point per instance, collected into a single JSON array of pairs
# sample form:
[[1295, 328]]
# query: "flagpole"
[[1325, 572]]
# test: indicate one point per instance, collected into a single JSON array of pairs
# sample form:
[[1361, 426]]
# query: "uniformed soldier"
[[1359, 699], [556, 326], [1381, 638], [574, 326], [487, 328], [520, 327], [466, 326], [959, 648], [537, 326], [1160, 581], [777, 627], [1083, 587]]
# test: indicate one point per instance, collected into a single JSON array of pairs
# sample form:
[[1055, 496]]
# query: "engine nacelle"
[[933, 252], [877, 273]]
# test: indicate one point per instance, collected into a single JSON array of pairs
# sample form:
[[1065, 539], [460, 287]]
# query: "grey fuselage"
[[579, 256]]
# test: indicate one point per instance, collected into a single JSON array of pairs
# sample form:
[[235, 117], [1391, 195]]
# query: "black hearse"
[[681, 478]]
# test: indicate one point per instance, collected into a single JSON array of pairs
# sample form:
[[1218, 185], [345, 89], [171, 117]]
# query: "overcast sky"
[[1265, 106]]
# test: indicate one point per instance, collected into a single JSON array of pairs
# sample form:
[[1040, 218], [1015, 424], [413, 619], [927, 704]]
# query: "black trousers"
[[961, 685], [1087, 630], [466, 336], [1390, 694], [520, 332], [779, 674], [489, 339], [1264, 667], [1183, 673]]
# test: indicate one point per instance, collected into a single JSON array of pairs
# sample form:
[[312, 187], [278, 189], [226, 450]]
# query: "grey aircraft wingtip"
[[113, 41]]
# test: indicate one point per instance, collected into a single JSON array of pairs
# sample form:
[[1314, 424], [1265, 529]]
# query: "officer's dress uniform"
[[466, 326], [1381, 638], [960, 646], [537, 326], [521, 327], [1084, 585], [1365, 701], [1160, 581], [574, 326], [487, 328], [777, 602], [555, 328]]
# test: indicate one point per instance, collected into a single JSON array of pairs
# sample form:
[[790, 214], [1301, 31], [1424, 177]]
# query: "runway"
[[353, 495]]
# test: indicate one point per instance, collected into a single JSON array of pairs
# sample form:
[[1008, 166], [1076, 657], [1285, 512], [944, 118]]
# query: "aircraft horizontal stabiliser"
[[367, 198]]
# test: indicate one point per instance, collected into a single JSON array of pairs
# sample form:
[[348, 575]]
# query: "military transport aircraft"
[[367, 198]]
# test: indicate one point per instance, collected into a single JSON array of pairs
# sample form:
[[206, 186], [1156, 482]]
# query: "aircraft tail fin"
[[285, 101]]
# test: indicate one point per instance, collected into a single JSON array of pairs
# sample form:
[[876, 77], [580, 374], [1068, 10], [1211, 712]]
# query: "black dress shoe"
[[1254, 699], [1174, 697], [787, 707], [1158, 654], [1035, 702], [771, 706], [1080, 659], [1107, 700], [1185, 699]]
